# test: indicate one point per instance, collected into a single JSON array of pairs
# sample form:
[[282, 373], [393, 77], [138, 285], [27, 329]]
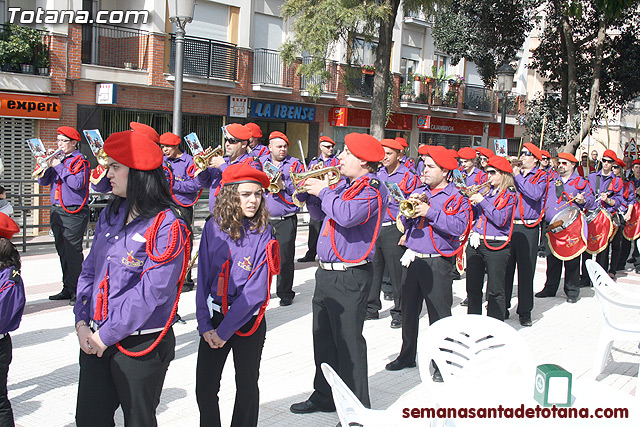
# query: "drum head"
[[567, 216]]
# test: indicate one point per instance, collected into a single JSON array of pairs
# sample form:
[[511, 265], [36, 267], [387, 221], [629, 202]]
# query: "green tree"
[[319, 26]]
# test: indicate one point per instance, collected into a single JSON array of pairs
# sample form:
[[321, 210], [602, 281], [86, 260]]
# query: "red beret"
[[454, 153], [568, 156], [402, 142], [256, 132], [69, 132], [533, 149], [392, 143], [467, 153], [500, 163], [238, 131], [364, 147], [636, 162], [147, 130], [327, 139], [610, 154], [484, 151], [278, 134], [424, 149], [442, 157], [133, 149], [169, 138], [8, 226], [243, 172], [621, 163], [545, 153]]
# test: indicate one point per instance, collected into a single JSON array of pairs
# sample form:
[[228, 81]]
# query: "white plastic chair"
[[614, 302], [481, 359]]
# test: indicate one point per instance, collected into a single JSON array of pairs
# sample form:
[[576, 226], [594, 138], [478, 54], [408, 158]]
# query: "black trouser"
[[544, 243], [524, 252], [68, 232], [285, 230], [388, 253], [314, 233], [602, 259], [616, 251], [429, 280], [187, 214], [495, 262], [339, 307], [6, 414], [571, 275], [115, 379], [247, 352], [625, 251]]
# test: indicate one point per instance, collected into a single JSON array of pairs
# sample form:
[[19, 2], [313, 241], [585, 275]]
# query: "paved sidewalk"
[[44, 373]]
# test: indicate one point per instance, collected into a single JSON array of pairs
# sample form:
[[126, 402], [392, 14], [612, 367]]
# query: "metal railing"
[[357, 82], [478, 98], [116, 47], [328, 85], [25, 50], [207, 58], [445, 95], [268, 68]]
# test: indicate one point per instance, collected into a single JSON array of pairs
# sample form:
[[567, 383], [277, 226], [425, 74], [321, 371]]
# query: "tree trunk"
[[572, 71], [381, 79]]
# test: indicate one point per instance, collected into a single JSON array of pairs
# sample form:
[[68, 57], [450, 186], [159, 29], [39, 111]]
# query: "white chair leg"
[[602, 354]]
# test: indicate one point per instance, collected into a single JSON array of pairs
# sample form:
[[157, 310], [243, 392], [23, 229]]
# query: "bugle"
[[202, 161], [408, 207], [298, 179], [101, 156], [43, 163]]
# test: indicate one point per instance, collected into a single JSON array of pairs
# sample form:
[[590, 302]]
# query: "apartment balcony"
[[329, 85], [479, 100], [359, 84], [270, 74], [443, 96], [207, 59], [24, 59]]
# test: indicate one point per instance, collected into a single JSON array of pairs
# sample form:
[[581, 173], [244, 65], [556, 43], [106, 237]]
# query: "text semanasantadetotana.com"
[[517, 412]]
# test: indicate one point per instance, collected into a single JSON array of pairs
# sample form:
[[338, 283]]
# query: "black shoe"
[[542, 255], [61, 296], [456, 275], [526, 321], [572, 300], [506, 314], [545, 294], [388, 297], [286, 301], [308, 407], [72, 301], [307, 258], [396, 324], [465, 303], [397, 365], [437, 376], [372, 316], [631, 260], [638, 270], [187, 287]]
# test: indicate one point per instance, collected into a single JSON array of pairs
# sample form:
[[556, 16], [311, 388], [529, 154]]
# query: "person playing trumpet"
[[283, 211], [489, 243]]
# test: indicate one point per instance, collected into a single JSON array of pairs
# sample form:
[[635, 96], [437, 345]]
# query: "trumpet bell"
[[332, 171], [202, 161]]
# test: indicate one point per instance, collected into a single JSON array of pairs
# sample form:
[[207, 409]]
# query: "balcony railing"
[[330, 85], [445, 95], [269, 69], [24, 49], [207, 58], [358, 82], [117, 47], [478, 98]]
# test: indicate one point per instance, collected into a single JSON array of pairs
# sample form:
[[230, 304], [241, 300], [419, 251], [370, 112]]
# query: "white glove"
[[408, 257], [474, 240]]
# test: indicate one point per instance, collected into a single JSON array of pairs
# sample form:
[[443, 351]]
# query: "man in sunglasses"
[[531, 183]]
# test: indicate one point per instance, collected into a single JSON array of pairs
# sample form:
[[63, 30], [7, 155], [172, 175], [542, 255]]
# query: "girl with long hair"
[[238, 257]]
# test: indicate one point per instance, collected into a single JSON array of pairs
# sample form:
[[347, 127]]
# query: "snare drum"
[[563, 219]]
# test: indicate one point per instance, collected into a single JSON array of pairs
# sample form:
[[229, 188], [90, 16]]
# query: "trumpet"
[[515, 161], [299, 178], [202, 161], [483, 189], [43, 162], [273, 187], [408, 207], [101, 156]]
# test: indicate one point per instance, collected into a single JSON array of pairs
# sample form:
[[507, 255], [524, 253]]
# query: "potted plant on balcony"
[[439, 77], [408, 94], [20, 45], [368, 69], [42, 61], [422, 98]]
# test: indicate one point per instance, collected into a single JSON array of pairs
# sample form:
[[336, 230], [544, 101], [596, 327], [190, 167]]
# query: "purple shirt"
[[406, 179], [331, 161], [445, 217], [607, 183], [419, 167], [73, 175], [103, 186], [12, 299], [259, 150], [355, 219], [141, 291], [532, 190], [476, 177], [572, 187], [185, 188], [281, 204], [495, 214], [248, 276]]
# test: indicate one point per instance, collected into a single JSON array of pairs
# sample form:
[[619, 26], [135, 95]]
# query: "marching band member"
[[432, 241], [484, 154], [585, 168], [531, 183], [388, 252], [127, 293], [567, 241], [326, 159], [620, 246], [409, 162], [607, 190], [283, 212], [254, 147], [473, 175], [489, 245], [238, 257], [545, 161], [420, 162], [632, 229], [69, 181], [353, 213], [12, 300]]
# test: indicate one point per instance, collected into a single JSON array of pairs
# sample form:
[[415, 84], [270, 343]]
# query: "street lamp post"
[[180, 13], [505, 82]]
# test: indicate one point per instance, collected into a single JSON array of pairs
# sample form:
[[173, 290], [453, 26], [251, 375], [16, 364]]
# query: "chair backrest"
[[609, 293], [349, 408], [472, 346]]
